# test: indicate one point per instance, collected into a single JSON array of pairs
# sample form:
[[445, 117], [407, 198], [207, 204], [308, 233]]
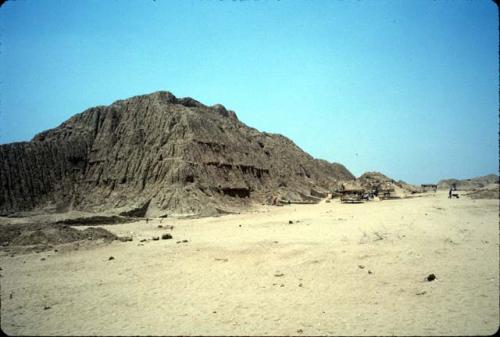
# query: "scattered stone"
[[214, 312], [431, 277], [360, 266], [275, 241], [421, 292], [300, 330], [42, 259], [166, 236], [370, 272], [224, 260], [143, 240], [290, 222], [111, 258], [239, 225], [278, 274], [156, 238], [184, 241], [301, 285], [160, 226], [282, 285], [379, 236], [125, 238], [55, 250], [46, 307]]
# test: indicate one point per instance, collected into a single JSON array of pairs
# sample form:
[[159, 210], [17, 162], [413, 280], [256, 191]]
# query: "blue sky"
[[407, 88]]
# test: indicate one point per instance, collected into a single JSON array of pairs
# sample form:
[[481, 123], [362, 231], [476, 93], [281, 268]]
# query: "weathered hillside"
[[370, 180], [469, 184], [157, 155]]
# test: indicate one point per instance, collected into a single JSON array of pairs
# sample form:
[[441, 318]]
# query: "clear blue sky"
[[408, 88]]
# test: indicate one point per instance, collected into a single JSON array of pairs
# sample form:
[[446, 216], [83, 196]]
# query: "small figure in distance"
[[449, 192]]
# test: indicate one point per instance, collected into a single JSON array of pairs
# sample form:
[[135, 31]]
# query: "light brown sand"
[[222, 282]]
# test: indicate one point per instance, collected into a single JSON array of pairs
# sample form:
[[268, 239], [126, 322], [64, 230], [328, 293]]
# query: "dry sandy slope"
[[223, 280]]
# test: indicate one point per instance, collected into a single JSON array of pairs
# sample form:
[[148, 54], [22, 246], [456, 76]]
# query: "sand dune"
[[335, 270]]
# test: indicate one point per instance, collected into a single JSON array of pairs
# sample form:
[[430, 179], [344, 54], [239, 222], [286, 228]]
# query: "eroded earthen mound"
[[376, 181], [490, 191], [157, 155], [469, 184], [49, 234]]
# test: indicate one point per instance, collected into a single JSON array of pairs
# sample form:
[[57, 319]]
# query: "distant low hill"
[[369, 181], [491, 191], [400, 187], [469, 184]]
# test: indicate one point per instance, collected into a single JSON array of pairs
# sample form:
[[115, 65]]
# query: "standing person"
[[449, 192]]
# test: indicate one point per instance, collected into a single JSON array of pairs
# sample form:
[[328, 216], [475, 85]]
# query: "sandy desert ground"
[[338, 269]]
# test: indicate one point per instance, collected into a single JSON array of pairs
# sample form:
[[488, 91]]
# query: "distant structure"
[[425, 187]]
